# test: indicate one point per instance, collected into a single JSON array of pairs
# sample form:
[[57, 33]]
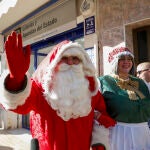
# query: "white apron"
[[123, 136]]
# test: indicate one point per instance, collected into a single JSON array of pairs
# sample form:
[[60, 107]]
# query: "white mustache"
[[75, 68]]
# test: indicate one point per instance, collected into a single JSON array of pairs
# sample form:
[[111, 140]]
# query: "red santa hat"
[[72, 49], [115, 55]]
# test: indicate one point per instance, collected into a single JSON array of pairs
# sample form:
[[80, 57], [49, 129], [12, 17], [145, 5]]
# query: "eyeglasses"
[[141, 71]]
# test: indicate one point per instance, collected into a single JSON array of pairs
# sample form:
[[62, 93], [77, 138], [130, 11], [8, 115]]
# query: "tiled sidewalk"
[[15, 139]]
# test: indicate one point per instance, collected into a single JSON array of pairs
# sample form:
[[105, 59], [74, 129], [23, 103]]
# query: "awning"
[[18, 11]]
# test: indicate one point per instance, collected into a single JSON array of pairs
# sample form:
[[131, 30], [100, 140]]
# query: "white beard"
[[69, 94]]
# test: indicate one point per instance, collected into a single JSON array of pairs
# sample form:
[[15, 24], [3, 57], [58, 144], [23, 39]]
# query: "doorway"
[[141, 44]]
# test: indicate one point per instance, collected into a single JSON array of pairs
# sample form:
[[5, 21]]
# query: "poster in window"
[[92, 54]]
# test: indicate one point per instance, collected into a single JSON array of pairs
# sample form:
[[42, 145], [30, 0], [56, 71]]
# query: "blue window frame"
[[72, 35]]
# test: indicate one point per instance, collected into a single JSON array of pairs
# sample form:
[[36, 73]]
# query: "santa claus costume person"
[[61, 96]]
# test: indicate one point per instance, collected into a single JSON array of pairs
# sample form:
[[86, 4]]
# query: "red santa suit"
[[57, 123]]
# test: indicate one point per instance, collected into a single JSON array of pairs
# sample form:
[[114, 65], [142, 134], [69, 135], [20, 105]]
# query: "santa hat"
[[48, 65], [115, 55]]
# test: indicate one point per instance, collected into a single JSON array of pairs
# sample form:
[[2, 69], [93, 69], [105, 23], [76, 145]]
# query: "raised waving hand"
[[18, 60]]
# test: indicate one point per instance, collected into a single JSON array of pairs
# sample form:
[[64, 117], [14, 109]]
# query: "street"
[[15, 139]]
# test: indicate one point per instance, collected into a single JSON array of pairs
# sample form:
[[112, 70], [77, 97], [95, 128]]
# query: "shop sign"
[[48, 24], [90, 25]]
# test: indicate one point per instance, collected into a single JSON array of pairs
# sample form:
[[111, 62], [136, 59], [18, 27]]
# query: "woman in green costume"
[[128, 102]]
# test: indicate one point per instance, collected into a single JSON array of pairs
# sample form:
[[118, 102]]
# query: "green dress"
[[120, 106], [128, 102]]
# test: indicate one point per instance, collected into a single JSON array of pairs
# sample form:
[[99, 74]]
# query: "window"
[[141, 39]]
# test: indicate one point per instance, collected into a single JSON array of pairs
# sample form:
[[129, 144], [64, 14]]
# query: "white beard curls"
[[69, 94]]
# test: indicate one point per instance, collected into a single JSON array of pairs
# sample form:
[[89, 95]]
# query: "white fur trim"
[[9, 100], [125, 53], [73, 49], [100, 135], [73, 52], [96, 86], [88, 66], [99, 85], [114, 55]]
